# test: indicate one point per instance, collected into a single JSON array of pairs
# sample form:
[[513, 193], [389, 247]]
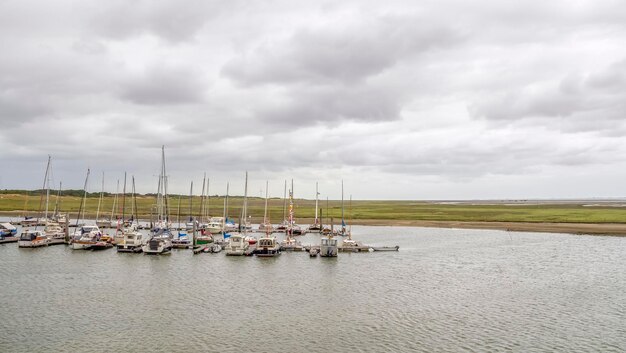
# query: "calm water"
[[445, 290]]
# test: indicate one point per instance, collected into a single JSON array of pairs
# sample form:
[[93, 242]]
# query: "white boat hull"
[[31, 244]]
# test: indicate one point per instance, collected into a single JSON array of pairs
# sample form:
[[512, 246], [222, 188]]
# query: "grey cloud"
[[173, 21], [580, 99], [163, 85], [344, 53], [334, 104]]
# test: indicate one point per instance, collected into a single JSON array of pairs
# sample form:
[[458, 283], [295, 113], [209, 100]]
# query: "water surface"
[[445, 290]]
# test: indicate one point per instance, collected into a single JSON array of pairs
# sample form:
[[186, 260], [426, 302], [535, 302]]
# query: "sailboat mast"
[[343, 223], [84, 202], [208, 197], [191, 201], [124, 201], [134, 203], [225, 210], [178, 217], [285, 202], [100, 200], [245, 201], [117, 191], [165, 203], [350, 226], [265, 212], [133, 207], [316, 195], [202, 199], [56, 203], [45, 182]]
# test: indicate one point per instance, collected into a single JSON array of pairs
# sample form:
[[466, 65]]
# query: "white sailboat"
[[290, 243], [101, 222], [267, 245], [237, 244], [317, 224], [181, 239], [35, 238], [85, 236], [161, 240], [132, 238]]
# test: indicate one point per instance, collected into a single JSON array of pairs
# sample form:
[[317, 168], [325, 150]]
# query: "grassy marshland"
[[22, 204]]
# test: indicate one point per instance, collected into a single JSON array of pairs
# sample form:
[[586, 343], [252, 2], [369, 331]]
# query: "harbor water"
[[446, 290]]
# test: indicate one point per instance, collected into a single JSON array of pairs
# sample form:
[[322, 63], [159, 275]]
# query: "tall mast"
[[202, 213], [134, 203], [100, 200], [178, 217], [226, 201], [124, 201], [350, 226], [316, 195], [45, 183], [343, 223], [265, 213], [245, 203], [117, 191], [208, 197], [84, 200], [190, 201], [164, 183], [290, 223], [225, 210], [285, 202], [56, 203]]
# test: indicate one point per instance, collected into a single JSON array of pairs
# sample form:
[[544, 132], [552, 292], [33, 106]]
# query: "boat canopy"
[[8, 226]]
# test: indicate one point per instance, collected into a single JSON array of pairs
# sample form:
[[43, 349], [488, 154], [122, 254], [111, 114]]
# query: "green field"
[[21, 204]]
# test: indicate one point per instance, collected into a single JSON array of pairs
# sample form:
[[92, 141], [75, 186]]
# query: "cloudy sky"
[[445, 99]]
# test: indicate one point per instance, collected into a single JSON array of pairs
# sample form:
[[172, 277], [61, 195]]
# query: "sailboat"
[[85, 236], [282, 227], [102, 222], [349, 244], [36, 238], [57, 226], [237, 244], [266, 226], [317, 225], [267, 245], [328, 244], [161, 240], [132, 238], [181, 240], [290, 243]]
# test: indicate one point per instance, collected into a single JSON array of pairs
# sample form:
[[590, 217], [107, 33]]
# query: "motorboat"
[[250, 239], [85, 237], [8, 233], [55, 233], [328, 247], [159, 244], [313, 252], [32, 239], [291, 244], [132, 241], [181, 240], [237, 245], [267, 247]]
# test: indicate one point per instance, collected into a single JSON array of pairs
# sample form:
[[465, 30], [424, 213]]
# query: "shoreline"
[[607, 229]]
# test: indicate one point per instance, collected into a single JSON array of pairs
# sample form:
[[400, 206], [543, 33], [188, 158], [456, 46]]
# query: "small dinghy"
[[313, 252], [386, 248]]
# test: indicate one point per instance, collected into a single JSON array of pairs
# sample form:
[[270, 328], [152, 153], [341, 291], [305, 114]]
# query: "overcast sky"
[[445, 99]]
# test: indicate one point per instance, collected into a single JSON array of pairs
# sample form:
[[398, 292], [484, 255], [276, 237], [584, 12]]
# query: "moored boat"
[[32, 239], [8, 233]]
